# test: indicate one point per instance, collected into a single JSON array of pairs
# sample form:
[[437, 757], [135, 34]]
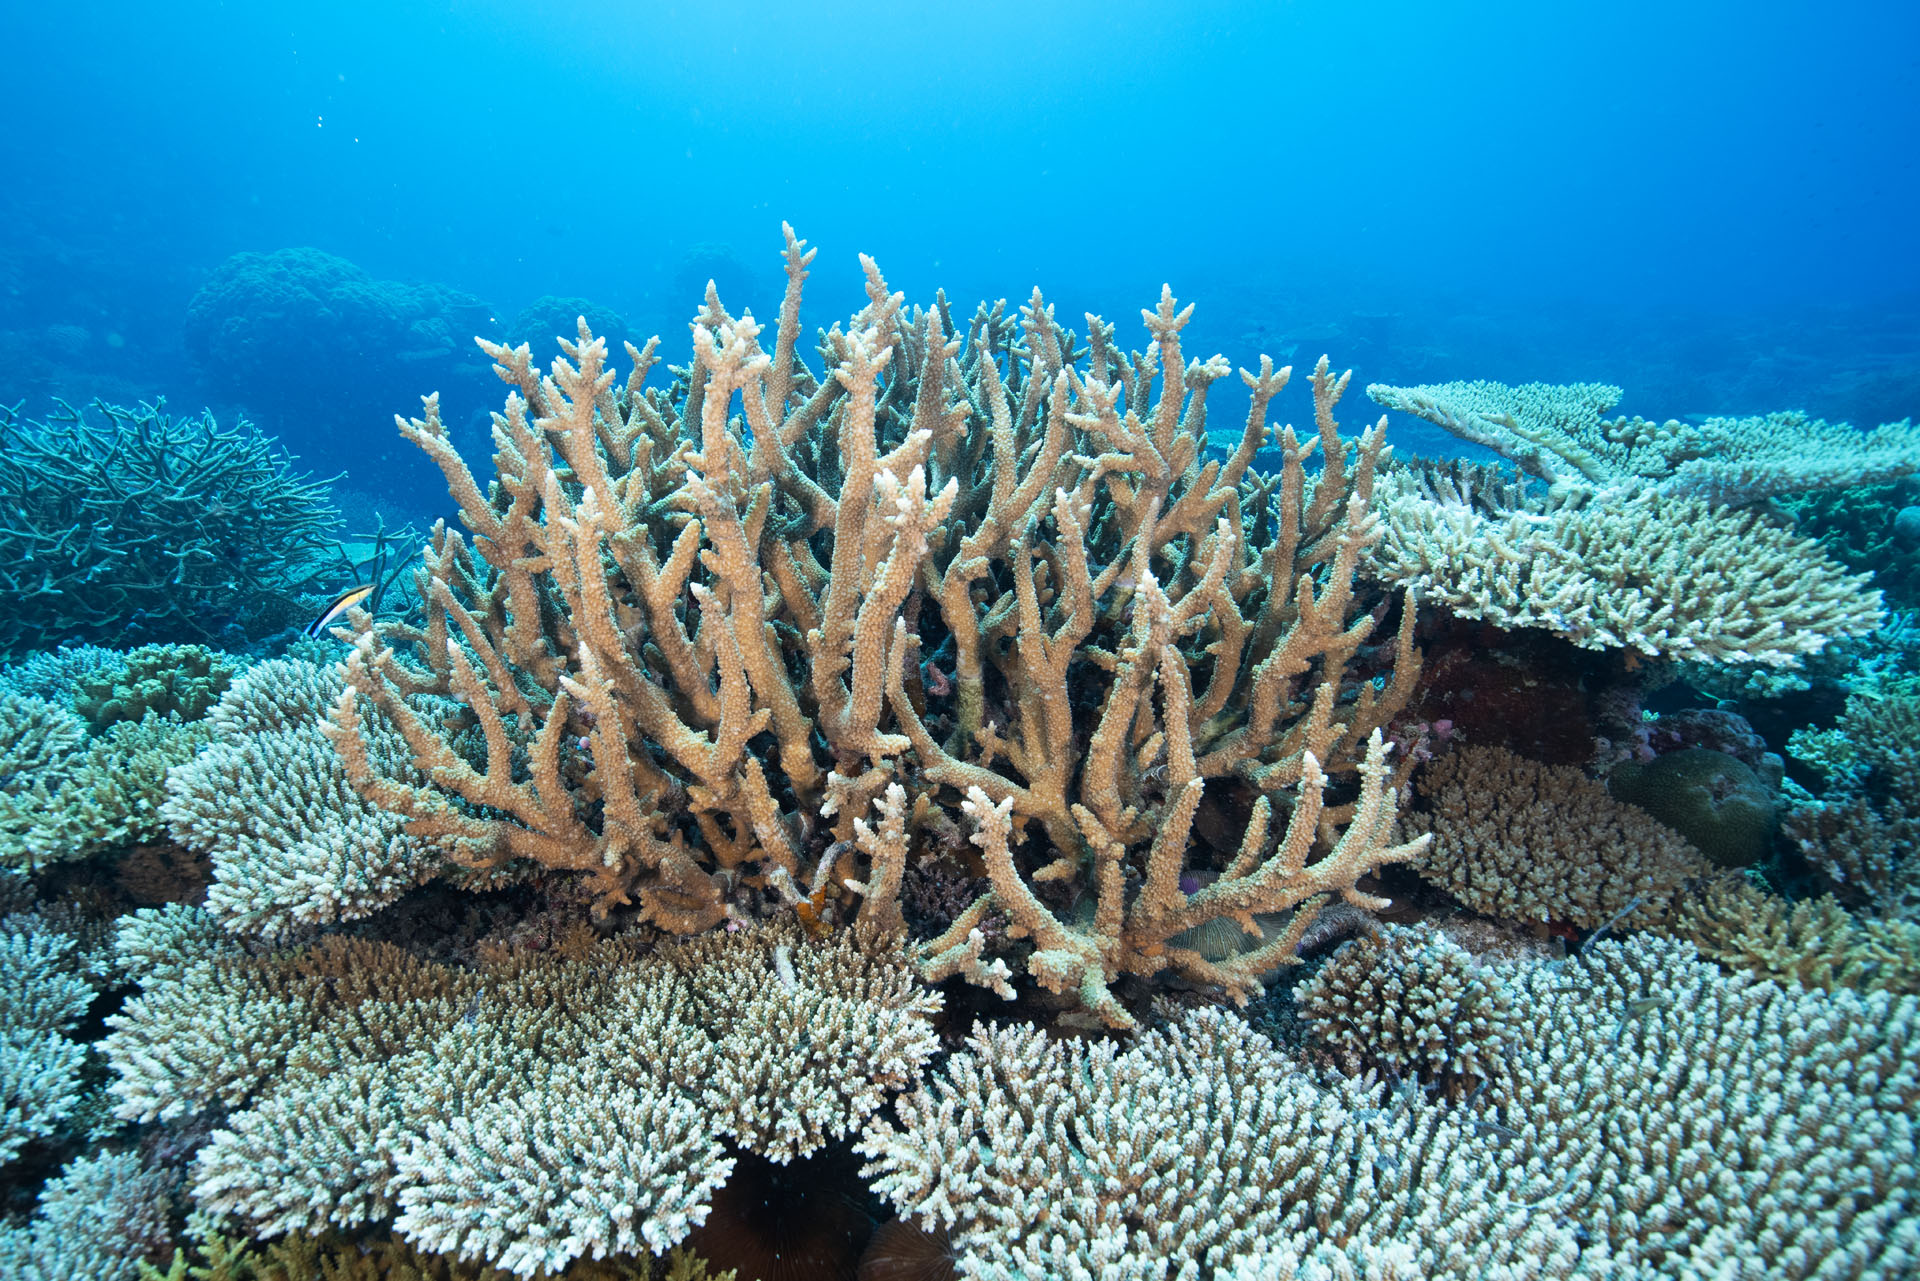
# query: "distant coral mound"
[[273, 330], [549, 317]]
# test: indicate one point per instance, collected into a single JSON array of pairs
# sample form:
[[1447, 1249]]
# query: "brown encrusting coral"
[[998, 576]]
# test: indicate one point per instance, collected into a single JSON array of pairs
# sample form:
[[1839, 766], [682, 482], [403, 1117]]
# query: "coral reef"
[[101, 1218], [1862, 833], [43, 994], [1410, 1004], [1869, 529], [547, 318], [65, 795], [1638, 538], [292, 845], [1519, 840], [1693, 1122], [301, 1256], [268, 329], [525, 1113], [1560, 434], [1815, 943], [970, 570], [55, 675], [131, 525], [1716, 801], [179, 681], [1659, 575], [588, 905], [1198, 1145], [1630, 1135]]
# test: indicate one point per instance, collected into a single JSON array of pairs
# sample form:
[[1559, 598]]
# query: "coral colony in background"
[[1090, 839]]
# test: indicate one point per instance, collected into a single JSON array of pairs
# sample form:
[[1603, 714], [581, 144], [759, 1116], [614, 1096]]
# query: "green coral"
[[65, 795], [177, 680], [1860, 528], [132, 524], [1714, 800]]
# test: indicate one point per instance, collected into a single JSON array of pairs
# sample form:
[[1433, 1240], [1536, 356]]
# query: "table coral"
[[1660, 575], [524, 1114], [1658, 1118], [1561, 435], [293, 846]]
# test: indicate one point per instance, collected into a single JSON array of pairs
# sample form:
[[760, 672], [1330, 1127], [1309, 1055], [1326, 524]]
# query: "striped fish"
[[341, 604]]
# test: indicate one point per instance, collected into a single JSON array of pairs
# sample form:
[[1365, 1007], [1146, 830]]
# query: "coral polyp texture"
[[979, 563], [1411, 1005], [1656, 1118], [1520, 840], [522, 1114]]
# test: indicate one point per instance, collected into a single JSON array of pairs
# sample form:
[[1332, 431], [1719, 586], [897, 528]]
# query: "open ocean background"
[[1710, 204]]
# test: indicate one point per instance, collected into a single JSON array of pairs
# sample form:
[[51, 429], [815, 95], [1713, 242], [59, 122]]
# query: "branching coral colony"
[[995, 574]]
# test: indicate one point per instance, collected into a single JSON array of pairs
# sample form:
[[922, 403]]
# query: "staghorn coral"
[[970, 568], [1660, 575], [293, 845], [99, 1219], [1657, 1119], [1409, 1004], [1519, 840], [1561, 435], [523, 1114], [132, 525], [1814, 943]]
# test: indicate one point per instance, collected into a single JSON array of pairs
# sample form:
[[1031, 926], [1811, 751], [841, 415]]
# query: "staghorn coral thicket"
[[653, 582]]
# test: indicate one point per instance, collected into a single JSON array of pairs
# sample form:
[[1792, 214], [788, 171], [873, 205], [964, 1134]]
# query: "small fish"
[[341, 604]]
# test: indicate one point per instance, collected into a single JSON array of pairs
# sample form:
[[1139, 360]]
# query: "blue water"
[[1710, 204]]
